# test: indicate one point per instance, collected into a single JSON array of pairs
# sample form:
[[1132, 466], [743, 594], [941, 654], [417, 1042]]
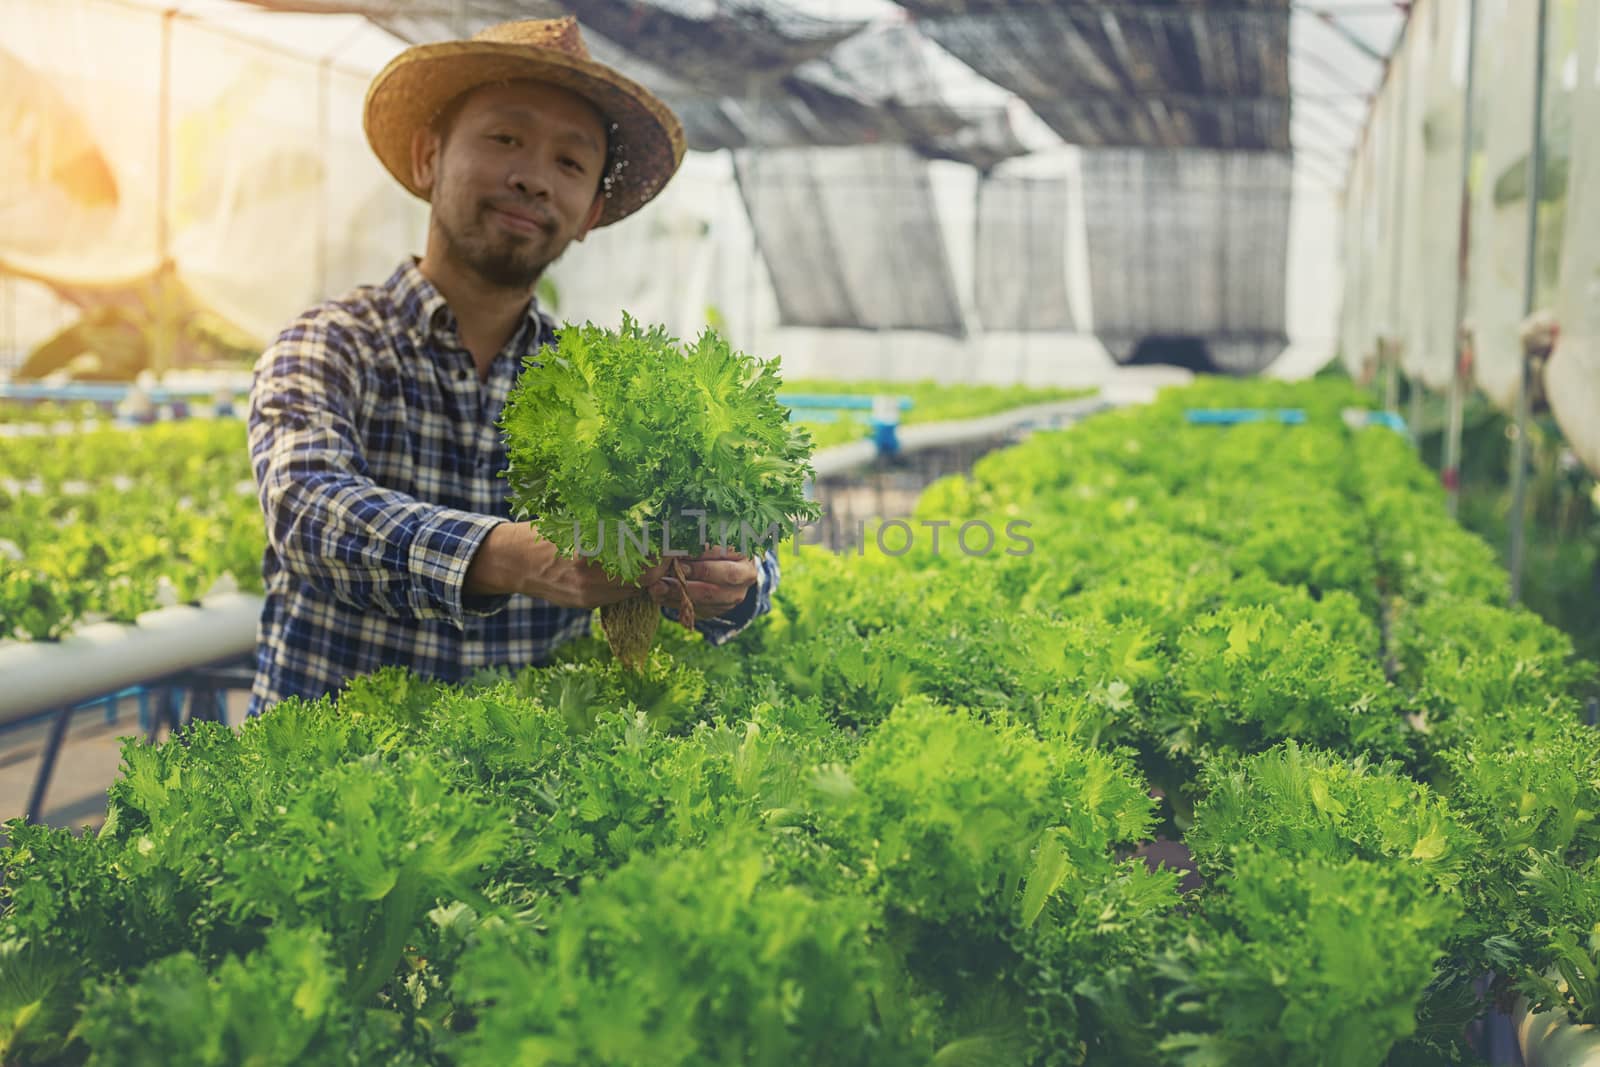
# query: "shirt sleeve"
[[756, 604], [329, 523]]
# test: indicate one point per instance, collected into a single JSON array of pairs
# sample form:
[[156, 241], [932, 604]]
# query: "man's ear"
[[595, 211], [424, 158]]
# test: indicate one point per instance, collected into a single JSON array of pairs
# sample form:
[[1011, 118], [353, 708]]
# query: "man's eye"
[[572, 164], [503, 138]]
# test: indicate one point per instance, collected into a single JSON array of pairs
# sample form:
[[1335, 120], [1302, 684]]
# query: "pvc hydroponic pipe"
[[842, 459], [102, 658], [1550, 1040]]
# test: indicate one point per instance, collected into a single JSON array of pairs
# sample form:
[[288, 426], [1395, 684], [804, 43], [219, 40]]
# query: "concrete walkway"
[[90, 758]]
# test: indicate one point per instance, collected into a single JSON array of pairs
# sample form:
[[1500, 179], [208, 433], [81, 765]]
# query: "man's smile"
[[526, 221]]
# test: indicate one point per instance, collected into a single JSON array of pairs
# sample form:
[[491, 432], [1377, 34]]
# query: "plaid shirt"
[[377, 459]]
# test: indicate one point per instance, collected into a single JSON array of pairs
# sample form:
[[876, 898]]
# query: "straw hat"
[[646, 138]]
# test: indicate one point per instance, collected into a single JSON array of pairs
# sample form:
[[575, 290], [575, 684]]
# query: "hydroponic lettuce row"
[[112, 522], [898, 823]]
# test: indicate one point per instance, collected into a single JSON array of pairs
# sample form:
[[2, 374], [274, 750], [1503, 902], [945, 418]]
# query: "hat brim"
[[417, 85]]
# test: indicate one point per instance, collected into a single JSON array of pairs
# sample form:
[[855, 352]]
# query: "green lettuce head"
[[623, 443]]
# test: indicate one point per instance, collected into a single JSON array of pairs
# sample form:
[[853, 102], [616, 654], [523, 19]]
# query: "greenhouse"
[[758, 533]]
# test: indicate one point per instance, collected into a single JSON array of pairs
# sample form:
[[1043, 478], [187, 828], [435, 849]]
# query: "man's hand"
[[716, 582], [584, 584], [515, 559]]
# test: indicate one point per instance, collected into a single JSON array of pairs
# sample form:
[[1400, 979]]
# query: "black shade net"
[[875, 88], [1189, 245], [850, 237], [1020, 280], [1139, 74], [717, 47], [746, 74]]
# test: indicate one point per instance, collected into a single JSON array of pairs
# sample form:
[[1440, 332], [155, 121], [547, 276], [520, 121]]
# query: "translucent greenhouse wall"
[[1406, 289], [225, 195], [230, 195]]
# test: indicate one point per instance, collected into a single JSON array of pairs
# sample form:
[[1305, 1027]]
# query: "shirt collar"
[[425, 311]]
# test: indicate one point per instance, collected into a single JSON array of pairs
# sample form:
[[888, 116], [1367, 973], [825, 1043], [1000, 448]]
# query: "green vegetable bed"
[[896, 822], [113, 522]]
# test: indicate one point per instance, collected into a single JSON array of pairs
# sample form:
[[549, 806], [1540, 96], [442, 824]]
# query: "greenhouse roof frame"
[[1337, 56]]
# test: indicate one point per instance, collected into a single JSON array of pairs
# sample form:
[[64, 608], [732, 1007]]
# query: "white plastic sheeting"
[[1410, 195], [1434, 233], [1336, 57], [1360, 252], [264, 195], [1505, 92], [1400, 239], [660, 267], [1572, 378], [1369, 313], [1403, 205]]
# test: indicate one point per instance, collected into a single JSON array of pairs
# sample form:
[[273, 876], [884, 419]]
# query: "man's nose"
[[529, 178]]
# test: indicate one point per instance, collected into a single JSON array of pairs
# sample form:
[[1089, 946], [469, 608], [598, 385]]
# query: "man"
[[372, 418]]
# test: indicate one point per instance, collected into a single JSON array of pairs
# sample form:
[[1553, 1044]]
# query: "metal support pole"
[[165, 342], [1530, 292], [1459, 381], [1396, 192], [164, 140], [1389, 357], [324, 149], [47, 763], [751, 339], [169, 713], [8, 333], [1414, 393], [1353, 39]]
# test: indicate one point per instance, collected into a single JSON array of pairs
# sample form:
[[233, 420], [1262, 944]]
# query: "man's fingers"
[[721, 572], [715, 552], [655, 573], [708, 598]]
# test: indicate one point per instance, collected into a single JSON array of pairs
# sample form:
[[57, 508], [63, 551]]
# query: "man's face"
[[513, 179]]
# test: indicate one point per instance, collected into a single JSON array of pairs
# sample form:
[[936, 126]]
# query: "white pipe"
[[937, 434], [102, 658], [1550, 1040], [841, 459]]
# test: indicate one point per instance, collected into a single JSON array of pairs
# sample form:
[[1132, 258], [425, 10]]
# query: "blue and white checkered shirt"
[[378, 463]]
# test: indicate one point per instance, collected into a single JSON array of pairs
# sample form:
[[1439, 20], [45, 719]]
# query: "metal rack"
[[177, 662]]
